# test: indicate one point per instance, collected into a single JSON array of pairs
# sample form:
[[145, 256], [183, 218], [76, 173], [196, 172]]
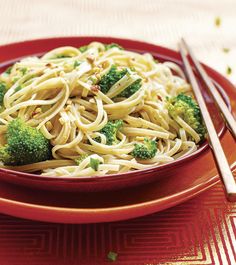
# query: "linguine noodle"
[[59, 95]]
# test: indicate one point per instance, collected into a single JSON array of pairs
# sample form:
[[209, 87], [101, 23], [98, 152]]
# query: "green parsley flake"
[[226, 50], [93, 79], [112, 256], [15, 79], [94, 163], [217, 21], [3, 89], [61, 56], [83, 48], [24, 70], [113, 45], [18, 88], [228, 70], [8, 70], [77, 63], [80, 159]]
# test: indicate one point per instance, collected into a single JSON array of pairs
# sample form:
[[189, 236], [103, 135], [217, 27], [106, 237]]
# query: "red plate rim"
[[87, 39], [87, 215]]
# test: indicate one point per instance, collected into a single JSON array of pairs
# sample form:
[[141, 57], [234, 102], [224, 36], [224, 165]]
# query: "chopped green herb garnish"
[[112, 256], [80, 159], [93, 79], [59, 56], [18, 88], [23, 70], [8, 70], [226, 50], [77, 63], [94, 163], [113, 45], [217, 21], [15, 79], [83, 48], [228, 70], [3, 89]]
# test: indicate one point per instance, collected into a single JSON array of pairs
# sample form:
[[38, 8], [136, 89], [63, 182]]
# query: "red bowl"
[[14, 52]]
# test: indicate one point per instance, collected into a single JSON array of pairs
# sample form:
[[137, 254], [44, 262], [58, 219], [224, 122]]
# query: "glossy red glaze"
[[178, 185], [107, 206], [13, 52]]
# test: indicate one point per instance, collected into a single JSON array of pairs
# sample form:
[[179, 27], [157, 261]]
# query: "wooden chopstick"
[[217, 150], [231, 123]]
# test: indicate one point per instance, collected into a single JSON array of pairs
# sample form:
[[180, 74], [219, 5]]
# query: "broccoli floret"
[[113, 45], [80, 159], [130, 90], [187, 108], [145, 150], [110, 131], [109, 79], [3, 90], [113, 76], [25, 145]]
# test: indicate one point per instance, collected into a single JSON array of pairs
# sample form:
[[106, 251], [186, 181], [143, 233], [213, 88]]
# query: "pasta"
[[60, 95]]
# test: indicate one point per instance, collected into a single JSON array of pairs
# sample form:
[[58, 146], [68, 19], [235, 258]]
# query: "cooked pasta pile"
[[65, 95]]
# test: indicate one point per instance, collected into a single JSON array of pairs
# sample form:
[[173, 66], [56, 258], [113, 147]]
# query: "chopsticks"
[[217, 150], [231, 123]]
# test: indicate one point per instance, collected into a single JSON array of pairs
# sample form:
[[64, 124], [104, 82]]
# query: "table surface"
[[200, 231], [161, 22]]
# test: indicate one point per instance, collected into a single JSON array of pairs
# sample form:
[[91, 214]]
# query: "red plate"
[[13, 52], [109, 206], [72, 207]]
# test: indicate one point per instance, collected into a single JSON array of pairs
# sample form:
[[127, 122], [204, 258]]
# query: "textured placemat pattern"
[[200, 231], [159, 21]]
